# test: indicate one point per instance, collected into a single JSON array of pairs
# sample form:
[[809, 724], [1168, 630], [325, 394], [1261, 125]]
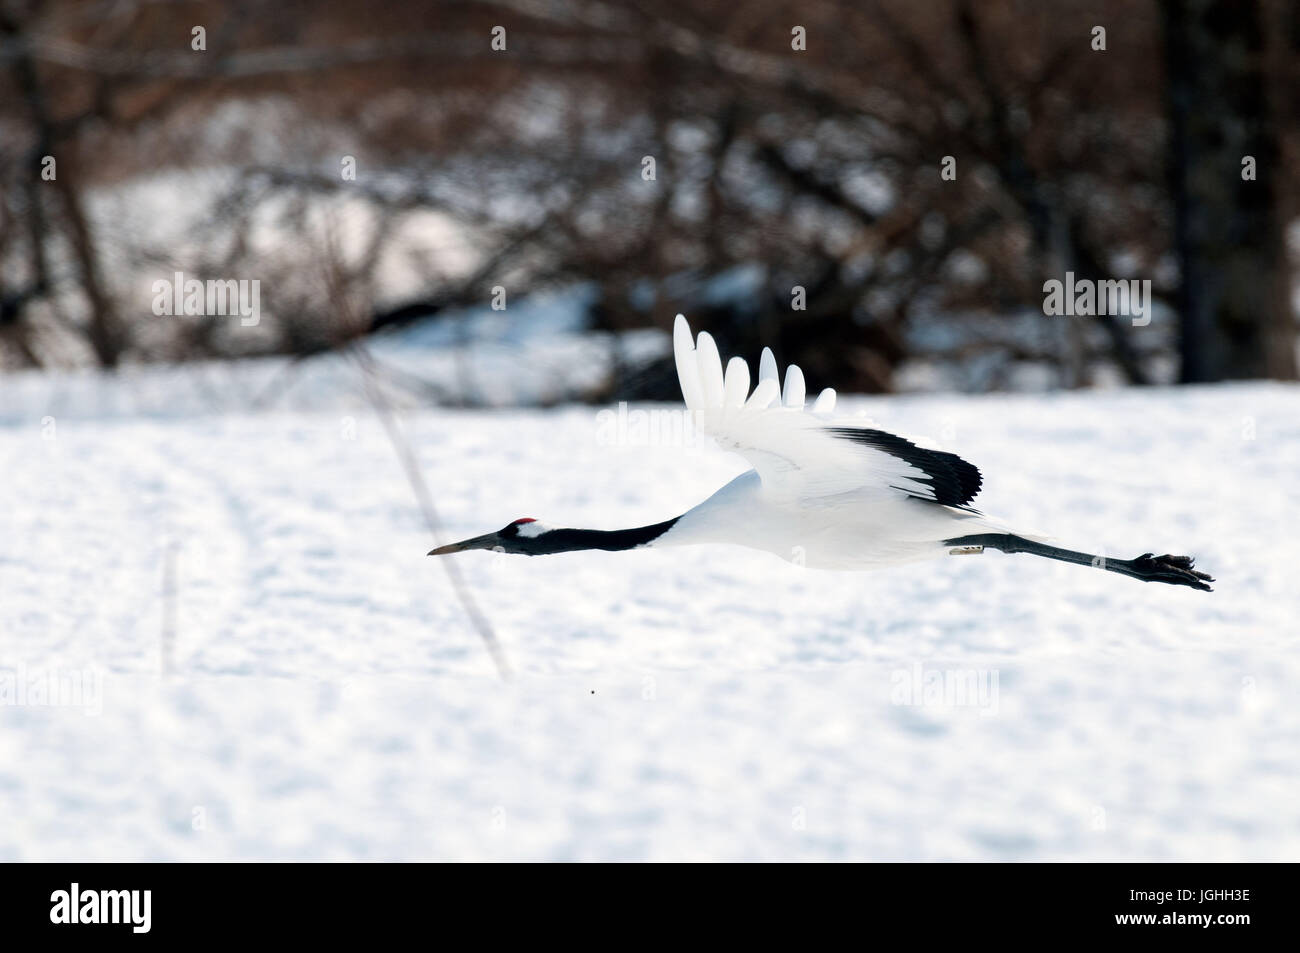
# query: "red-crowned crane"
[[825, 492]]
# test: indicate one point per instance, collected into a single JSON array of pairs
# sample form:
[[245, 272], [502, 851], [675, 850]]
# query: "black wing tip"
[[968, 475], [955, 481]]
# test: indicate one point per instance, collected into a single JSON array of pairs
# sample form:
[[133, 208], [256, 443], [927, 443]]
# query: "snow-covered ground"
[[328, 699]]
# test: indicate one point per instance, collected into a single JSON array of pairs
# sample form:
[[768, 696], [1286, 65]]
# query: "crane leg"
[[1175, 570]]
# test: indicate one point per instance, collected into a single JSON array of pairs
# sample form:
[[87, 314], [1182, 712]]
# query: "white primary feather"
[[688, 373], [736, 385], [793, 395], [710, 367], [767, 369], [765, 394]]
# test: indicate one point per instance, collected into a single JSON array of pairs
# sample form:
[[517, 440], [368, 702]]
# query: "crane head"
[[512, 538]]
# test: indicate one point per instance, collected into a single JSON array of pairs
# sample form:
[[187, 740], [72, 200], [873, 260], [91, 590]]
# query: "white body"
[[852, 531]]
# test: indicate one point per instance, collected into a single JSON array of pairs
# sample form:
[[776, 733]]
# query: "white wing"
[[806, 455]]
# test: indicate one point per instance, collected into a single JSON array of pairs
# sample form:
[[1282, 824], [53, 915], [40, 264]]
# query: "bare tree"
[[650, 149]]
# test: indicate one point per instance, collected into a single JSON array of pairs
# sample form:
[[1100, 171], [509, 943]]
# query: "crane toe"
[[1175, 570]]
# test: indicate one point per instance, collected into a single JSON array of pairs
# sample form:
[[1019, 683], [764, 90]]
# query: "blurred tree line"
[[511, 144]]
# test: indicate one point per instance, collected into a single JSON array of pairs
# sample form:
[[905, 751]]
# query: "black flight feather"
[[954, 481]]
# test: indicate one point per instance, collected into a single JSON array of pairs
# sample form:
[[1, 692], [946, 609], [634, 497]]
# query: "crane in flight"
[[824, 492]]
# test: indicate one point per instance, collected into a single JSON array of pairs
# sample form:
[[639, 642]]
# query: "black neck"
[[613, 540]]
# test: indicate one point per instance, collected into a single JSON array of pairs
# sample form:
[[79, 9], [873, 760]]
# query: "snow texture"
[[329, 701]]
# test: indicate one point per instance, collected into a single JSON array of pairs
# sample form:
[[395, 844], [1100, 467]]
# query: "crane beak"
[[487, 541]]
